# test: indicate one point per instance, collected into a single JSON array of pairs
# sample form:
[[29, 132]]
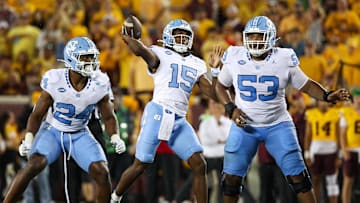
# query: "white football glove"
[[25, 146], [118, 143]]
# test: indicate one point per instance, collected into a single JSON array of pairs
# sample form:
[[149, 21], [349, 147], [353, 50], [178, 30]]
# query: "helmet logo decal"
[[71, 47]]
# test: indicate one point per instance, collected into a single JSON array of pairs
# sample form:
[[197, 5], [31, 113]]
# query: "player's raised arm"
[[215, 60], [207, 86], [131, 34]]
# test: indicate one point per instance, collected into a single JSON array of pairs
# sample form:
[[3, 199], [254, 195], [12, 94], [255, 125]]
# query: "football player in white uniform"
[[259, 73], [175, 72], [69, 96]]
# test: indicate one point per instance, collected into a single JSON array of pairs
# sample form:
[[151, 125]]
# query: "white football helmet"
[[77, 47], [260, 25], [186, 41]]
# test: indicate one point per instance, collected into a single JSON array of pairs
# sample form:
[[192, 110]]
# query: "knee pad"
[[303, 186], [332, 186], [229, 189]]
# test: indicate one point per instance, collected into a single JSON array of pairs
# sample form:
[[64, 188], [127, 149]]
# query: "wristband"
[[115, 137], [229, 109], [115, 197], [325, 96], [29, 137], [307, 154], [214, 72]]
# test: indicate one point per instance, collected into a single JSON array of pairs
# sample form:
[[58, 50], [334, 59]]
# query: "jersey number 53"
[[252, 94]]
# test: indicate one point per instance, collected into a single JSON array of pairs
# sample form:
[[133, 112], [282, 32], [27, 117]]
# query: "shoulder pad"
[[289, 56], [161, 51], [201, 65], [232, 50], [102, 81], [156, 48], [198, 60], [101, 77], [51, 77]]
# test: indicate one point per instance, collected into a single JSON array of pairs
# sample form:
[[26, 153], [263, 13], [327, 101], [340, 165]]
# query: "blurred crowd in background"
[[325, 35]]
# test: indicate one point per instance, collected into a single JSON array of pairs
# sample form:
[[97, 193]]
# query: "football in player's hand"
[[132, 27]]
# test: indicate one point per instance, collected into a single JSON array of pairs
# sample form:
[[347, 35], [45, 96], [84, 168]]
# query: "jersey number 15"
[[187, 75]]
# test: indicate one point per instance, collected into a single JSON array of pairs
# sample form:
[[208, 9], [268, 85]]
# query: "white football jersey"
[[72, 109], [175, 79], [260, 85]]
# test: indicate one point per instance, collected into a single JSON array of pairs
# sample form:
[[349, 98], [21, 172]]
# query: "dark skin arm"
[[316, 91], [38, 113], [139, 49], [205, 85], [108, 116], [222, 93]]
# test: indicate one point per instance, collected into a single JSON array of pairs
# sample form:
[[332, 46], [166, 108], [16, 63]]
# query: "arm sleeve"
[[49, 81]]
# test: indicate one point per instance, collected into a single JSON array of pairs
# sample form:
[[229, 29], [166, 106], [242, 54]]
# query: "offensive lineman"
[[260, 72]]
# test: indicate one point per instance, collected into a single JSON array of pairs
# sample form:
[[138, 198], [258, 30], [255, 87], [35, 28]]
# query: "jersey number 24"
[[69, 112]]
